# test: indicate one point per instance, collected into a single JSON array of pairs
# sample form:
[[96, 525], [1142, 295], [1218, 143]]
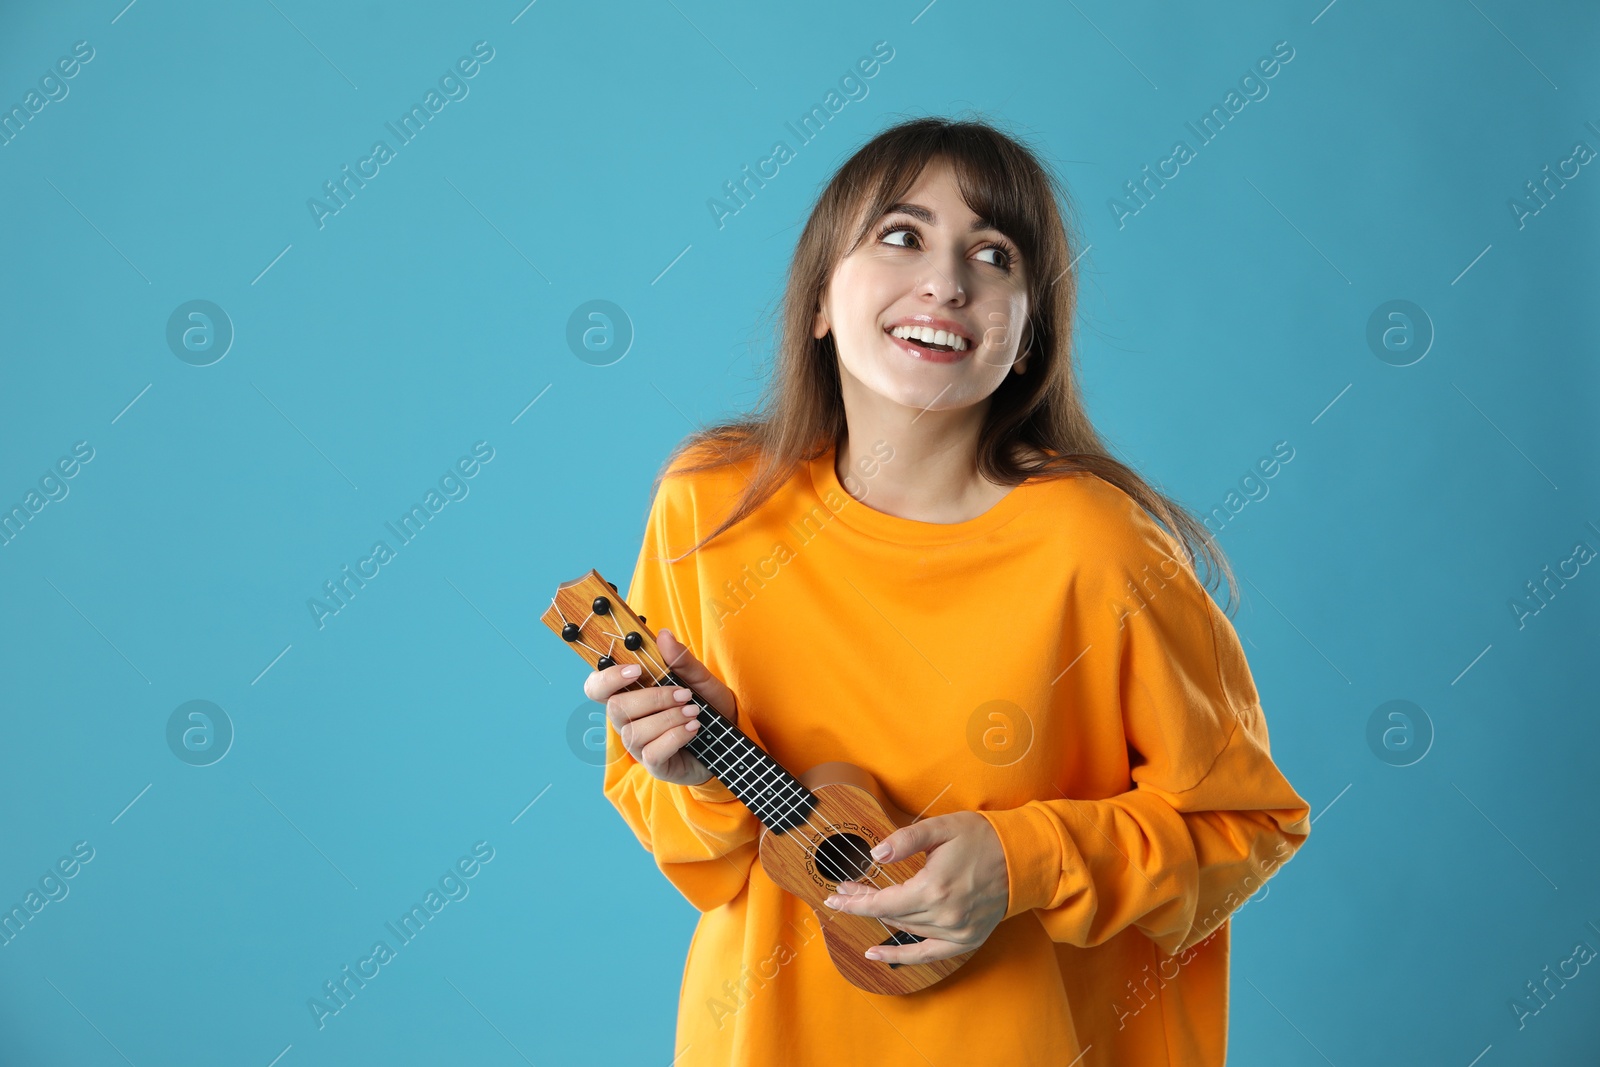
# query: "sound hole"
[[843, 857]]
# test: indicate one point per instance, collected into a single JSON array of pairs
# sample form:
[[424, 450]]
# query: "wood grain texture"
[[848, 803]]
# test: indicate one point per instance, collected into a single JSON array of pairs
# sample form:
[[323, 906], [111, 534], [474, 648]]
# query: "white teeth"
[[931, 336]]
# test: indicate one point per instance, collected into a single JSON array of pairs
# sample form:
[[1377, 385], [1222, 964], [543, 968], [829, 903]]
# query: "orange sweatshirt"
[[1050, 664]]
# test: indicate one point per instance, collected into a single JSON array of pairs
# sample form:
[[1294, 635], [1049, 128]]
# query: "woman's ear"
[[820, 327], [1021, 365]]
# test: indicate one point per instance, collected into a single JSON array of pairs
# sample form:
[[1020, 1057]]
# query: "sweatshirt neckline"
[[880, 524]]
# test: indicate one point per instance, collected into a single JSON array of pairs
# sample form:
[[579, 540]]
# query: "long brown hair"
[[801, 414]]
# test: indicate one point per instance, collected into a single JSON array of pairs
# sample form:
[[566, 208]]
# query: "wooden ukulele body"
[[852, 815]]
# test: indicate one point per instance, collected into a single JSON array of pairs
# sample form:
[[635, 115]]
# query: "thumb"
[[696, 675], [909, 840]]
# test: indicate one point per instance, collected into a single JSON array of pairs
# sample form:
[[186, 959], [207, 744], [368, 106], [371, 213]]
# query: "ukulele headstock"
[[591, 616]]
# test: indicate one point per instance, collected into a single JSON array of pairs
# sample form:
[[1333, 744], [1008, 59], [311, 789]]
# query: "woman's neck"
[[916, 475]]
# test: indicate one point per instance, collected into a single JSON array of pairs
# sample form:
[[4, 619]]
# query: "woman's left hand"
[[955, 901]]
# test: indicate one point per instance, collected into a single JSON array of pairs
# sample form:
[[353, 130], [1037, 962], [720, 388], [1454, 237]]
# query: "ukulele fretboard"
[[760, 783]]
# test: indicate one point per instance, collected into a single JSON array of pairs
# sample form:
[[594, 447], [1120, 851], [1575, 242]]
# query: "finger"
[[920, 836], [601, 684], [898, 902], [637, 736], [922, 952], [655, 754], [691, 672], [623, 708]]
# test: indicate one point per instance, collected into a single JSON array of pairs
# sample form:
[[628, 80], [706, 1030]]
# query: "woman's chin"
[[931, 396]]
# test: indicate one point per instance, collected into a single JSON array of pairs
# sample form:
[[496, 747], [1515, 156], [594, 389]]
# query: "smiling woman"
[[929, 309]]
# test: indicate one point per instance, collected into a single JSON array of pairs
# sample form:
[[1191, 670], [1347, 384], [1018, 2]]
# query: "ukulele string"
[[870, 878], [728, 750], [779, 810], [810, 841], [759, 782]]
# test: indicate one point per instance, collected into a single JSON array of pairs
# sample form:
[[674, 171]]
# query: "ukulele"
[[817, 830]]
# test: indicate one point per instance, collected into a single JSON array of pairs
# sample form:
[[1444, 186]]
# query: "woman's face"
[[928, 262]]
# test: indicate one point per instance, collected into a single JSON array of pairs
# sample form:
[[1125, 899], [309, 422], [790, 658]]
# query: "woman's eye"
[[1005, 260]]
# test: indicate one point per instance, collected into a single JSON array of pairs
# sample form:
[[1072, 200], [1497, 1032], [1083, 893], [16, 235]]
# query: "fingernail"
[[631, 671], [694, 724], [663, 632], [681, 694], [881, 852], [832, 902], [874, 954]]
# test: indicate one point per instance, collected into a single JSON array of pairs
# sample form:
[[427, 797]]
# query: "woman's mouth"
[[932, 346]]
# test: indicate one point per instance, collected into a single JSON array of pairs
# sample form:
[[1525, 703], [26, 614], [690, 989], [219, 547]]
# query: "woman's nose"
[[944, 280]]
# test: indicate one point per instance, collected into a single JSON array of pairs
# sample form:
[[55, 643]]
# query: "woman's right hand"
[[655, 723]]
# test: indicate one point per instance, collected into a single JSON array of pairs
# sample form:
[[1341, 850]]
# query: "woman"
[[922, 560]]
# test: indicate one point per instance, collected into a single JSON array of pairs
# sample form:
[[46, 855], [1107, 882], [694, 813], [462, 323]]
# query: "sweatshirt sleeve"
[[1209, 817], [703, 839]]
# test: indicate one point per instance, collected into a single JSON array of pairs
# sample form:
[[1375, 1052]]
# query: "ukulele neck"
[[760, 783]]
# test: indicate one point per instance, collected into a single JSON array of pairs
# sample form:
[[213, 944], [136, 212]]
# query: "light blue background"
[[1230, 313]]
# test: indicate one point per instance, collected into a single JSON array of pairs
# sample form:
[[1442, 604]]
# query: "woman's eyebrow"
[[917, 211]]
